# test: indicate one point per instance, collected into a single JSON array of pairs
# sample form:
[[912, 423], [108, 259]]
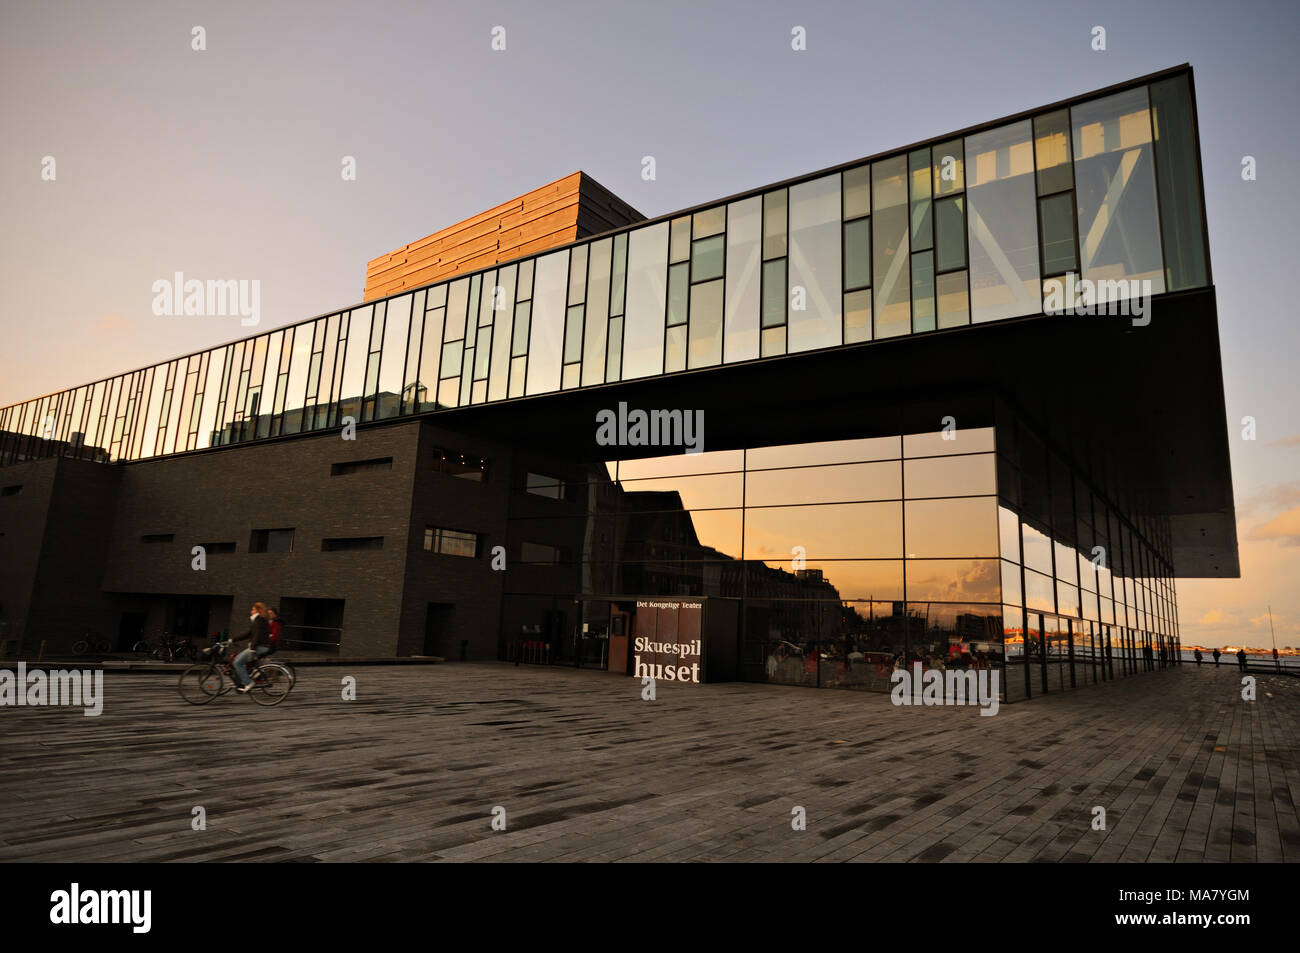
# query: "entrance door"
[[618, 641], [130, 630], [437, 630]]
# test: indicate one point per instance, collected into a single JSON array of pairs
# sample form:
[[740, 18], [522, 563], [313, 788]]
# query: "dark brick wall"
[[68, 602], [22, 527], [469, 585], [223, 496]]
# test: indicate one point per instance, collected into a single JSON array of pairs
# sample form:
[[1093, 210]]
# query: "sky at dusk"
[[226, 162]]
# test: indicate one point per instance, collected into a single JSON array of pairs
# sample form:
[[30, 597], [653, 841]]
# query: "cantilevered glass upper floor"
[[965, 229]]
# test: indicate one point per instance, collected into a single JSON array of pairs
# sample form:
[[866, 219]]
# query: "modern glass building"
[[959, 403]]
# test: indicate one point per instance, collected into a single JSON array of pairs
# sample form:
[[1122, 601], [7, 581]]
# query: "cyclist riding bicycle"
[[259, 636], [276, 628]]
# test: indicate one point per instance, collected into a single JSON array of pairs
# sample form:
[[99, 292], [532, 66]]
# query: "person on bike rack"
[[259, 636]]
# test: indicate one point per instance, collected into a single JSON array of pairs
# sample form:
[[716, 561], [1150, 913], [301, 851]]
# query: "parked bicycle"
[[173, 649], [92, 643], [200, 684]]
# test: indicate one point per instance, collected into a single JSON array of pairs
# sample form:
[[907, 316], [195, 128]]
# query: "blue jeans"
[[242, 660]]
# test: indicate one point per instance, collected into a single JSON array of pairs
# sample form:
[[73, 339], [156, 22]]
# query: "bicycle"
[[91, 642], [172, 649], [200, 684]]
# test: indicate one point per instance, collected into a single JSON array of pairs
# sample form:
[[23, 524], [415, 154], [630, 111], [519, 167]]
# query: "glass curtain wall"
[[961, 231]]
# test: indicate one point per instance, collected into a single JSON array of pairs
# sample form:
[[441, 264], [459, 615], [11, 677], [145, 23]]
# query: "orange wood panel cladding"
[[556, 214]]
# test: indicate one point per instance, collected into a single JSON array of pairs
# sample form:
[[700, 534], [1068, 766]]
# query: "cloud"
[[1283, 528], [1213, 617], [1292, 441]]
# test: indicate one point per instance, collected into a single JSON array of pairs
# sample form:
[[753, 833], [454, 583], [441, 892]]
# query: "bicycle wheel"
[[199, 684], [271, 684], [141, 648], [80, 647]]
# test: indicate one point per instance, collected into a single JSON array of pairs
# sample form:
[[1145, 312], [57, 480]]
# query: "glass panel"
[[1037, 549], [857, 254], [815, 265], [954, 580], [774, 342], [618, 280], [426, 390], [918, 165], [643, 332], [614, 355], [831, 451], [936, 443], [571, 378], [841, 483], [710, 222], [212, 388], [696, 492], [354, 362], [597, 316], [744, 221], [578, 275], [452, 352], [959, 527], [502, 331], [518, 367], [482, 353], [707, 258], [397, 326], [1119, 230], [774, 221], [949, 168], [679, 243], [857, 316], [953, 304], [857, 192], [1182, 227], [950, 234], [1057, 215], [448, 392], [457, 302], [1011, 583], [546, 334], [682, 464], [675, 349], [1067, 564], [678, 294], [1002, 223], [1052, 152], [1009, 534], [967, 475], [774, 294], [523, 312], [889, 248], [834, 531], [573, 335], [923, 291], [706, 325], [524, 292]]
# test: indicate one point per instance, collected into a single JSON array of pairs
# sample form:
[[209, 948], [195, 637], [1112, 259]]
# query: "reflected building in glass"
[[960, 405]]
